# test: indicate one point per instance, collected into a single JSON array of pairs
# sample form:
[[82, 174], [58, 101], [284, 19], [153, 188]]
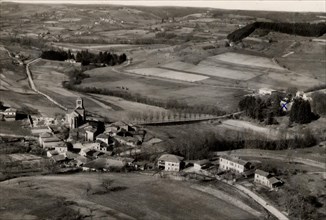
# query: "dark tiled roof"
[[235, 160], [171, 158]]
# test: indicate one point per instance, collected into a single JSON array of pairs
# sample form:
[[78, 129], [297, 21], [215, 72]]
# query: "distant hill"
[[302, 29]]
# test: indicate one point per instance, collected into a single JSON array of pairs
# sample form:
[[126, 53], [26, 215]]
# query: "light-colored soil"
[[248, 60], [141, 196], [170, 74]]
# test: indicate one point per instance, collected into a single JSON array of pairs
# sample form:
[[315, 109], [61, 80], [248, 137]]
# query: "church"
[[77, 117]]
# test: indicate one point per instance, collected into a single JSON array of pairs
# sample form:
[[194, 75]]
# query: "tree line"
[[200, 144], [302, 29], [85, 57], [172, 104]]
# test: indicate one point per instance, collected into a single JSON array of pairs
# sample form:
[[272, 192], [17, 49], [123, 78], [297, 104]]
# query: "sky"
[[267, 5]]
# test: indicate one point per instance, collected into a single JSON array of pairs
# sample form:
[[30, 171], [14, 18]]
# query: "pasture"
[[247, 60], [139, 197]]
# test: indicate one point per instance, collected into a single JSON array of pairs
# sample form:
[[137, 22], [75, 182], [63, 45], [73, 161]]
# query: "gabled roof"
[[262, 173], [103, 136], [235, 160], [52, 139], [46, 135], [74, 113], [59, 157], [274, 180], [171, 158], [11, 110], [53, 152], [202, 162]]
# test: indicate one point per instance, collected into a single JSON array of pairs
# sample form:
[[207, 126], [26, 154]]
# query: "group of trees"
[[265, 109], [199, 144], [163, 116], [302, 29], [319, 103], [107, 58], [262, 109], [59, 55], [301, 112], [85, 57]]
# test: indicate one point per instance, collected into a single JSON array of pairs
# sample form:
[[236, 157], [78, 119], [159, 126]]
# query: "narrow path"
[[274, 211], [31, 83]]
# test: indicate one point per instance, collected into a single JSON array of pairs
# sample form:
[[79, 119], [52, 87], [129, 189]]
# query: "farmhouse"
[[170, 162], [10, 114], [77, 117], [266, 179], [266, 91], [234, 164]]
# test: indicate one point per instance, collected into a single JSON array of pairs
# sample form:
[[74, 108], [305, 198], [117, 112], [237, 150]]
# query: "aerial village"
[[95, 146]]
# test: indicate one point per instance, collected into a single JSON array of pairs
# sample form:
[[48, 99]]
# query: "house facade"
[[170, 162], [10, 114], [48, 140], [234, 164], [266, 179]]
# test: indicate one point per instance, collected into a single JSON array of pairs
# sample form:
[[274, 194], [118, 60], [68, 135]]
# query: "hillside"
[[301, 29]]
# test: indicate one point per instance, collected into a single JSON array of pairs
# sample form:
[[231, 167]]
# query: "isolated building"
[[77, 117], [266, 179], [10, 114], [234, 164], [170, 162]]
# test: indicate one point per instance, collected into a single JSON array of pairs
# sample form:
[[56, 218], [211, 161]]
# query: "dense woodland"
[[302, 29], [85, 57], [268, 108]]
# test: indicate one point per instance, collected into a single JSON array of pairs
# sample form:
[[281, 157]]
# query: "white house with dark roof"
[[266, 179], [170, 162], [234, 164]]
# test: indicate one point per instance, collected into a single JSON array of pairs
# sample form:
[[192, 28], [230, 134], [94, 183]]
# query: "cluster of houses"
[[173, 163], [91, 142]]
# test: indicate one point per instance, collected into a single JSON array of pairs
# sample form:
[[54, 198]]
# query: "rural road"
[[31, 82]]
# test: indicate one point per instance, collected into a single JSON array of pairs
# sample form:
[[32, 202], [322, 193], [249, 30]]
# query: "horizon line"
[[252, 5]]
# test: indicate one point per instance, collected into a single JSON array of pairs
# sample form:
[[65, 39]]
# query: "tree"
[[319, 103], [301, 112]]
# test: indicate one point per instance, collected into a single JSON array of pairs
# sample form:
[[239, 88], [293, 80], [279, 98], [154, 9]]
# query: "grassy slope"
[[145, 197]]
